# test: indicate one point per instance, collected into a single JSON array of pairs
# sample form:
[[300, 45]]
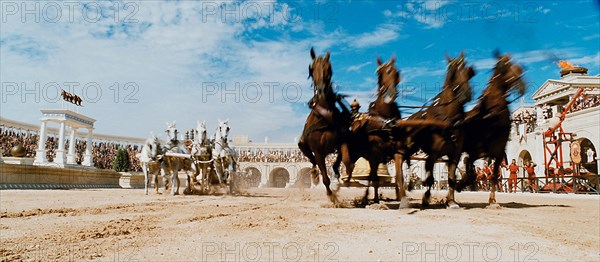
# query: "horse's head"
[[508, 75], [151, 147], [222, 130], [388, 78], [172, 132], [320, 71], [456, 85], [201, 133]]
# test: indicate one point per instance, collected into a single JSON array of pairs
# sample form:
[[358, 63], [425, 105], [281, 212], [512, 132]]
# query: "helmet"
[[355, 104]]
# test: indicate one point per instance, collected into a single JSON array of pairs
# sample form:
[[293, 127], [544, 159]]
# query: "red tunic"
[[513, 168]]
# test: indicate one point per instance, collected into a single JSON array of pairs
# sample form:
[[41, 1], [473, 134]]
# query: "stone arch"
[[253, 176], [524, 157], [279, 177], [303, 179], [586, 144]]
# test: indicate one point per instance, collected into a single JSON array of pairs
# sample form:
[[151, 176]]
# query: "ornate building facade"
[[576, 95]]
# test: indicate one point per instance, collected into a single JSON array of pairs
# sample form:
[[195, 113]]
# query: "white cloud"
[[358, 67], [383, 34], [591, 37], [175, 55], [426, 12], [410, 73], [587, 61], [530, 57]]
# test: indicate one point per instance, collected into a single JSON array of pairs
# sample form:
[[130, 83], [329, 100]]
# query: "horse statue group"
[[205, 161], [71, 98], [442, 129]]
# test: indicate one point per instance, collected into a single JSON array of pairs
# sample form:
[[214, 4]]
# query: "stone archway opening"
[[524, 158], [304, 178], [589, 155], [252, 176], [279, 178]]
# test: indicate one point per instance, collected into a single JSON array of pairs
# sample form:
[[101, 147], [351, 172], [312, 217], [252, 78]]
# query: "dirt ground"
[[293, 225]]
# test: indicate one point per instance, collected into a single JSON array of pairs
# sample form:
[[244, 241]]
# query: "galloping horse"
[[322, 132], [224, 157], [151, 159], [375, 136], [488, 124], [447, 107], [173, 164], [202, 153]]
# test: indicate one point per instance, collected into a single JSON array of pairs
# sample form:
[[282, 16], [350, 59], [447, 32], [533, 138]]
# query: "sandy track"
[[271, 224]]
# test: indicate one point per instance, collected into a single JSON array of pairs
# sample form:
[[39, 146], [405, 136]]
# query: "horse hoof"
[[453, 205], [494, 206], [315, 179], [335, 186], [404, 203], [425, 203], [333, 199]]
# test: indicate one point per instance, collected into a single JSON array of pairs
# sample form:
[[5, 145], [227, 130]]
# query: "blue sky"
[[140, 64]]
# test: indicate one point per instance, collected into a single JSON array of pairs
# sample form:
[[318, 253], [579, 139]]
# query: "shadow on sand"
[[389, 204]]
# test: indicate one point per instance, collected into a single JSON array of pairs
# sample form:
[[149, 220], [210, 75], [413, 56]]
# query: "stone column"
[[264, 176], [293, 173], [71, 155], [60, 153], [40, 153], [87, 157]]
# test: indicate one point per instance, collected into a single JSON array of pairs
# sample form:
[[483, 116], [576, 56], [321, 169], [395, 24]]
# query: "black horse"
[[448, 107], [488, 124]]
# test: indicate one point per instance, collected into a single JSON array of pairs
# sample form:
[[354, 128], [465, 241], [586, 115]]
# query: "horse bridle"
[[511, 80], [455, 97], [318, 88], [387, 89]]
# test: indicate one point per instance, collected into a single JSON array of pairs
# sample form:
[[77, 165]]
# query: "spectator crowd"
[[584, 102], [526, 118], [103, 153], [272, 156]]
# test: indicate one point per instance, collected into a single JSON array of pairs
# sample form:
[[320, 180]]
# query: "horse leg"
[[336, 172], [492, 199], [323, 168], [450, 202], [219, 170], [175, 178], [305, 149], [155, 176], [205, 177], [231, 176], [165, 175], [146, 178], [429, 180], [400, 192], [375, 179], [336, 166], [347, 160], [469, 177], [189, 168]]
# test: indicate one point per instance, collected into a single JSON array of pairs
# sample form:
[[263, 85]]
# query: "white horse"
[[223, 155], [151, 159], [202, 154], [175, 163]]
